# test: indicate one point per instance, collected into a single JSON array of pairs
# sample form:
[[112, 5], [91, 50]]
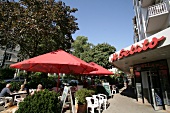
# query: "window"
[[8, 56]]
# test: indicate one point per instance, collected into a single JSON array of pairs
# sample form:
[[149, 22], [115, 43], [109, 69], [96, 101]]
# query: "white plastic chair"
[[3, 102], [92, 105], [113, 90], [19, 98], [104, 99], [100, 99]]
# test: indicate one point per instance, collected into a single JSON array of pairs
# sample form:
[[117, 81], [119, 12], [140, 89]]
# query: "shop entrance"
[[155, 92], [154, 81]]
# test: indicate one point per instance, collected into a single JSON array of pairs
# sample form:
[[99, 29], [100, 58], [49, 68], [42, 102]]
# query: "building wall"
[[141, 14], [12, 55]]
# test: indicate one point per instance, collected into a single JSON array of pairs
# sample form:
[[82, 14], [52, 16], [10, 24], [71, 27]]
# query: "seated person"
[[39, 88], [6, 93], [22, 89], [20, 97]]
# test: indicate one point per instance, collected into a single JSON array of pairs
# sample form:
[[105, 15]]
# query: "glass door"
[[155, 90]]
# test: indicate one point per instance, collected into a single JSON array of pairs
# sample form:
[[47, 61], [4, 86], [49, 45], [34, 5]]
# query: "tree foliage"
[[81, 46], [6, 73], [38, 26], [93, 53], [100, 54]]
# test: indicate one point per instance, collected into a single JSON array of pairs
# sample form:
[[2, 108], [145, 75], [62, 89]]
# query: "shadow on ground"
[[129, 92]]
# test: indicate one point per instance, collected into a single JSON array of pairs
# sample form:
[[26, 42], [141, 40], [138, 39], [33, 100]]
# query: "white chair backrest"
[[96, 101], [88, 99], [103, 95], [92, 101], [95, 96]]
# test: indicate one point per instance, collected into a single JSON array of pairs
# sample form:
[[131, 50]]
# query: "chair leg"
[[17, 103], [99, 110], [92, 110], [104, 105]]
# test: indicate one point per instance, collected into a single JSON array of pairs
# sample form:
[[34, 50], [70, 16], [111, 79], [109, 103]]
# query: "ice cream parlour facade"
[[148, 61]]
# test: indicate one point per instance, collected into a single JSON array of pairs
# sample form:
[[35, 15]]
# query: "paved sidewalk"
[[124, 104]]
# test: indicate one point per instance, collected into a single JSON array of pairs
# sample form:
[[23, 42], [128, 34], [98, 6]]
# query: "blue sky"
[[102, 21]]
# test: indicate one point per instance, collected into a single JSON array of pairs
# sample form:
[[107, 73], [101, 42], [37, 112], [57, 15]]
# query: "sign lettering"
[[137, 49]]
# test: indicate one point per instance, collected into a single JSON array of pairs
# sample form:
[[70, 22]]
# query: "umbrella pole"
[[58, 82]]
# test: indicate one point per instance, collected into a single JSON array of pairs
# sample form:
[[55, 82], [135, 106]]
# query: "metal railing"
[[157, 9]]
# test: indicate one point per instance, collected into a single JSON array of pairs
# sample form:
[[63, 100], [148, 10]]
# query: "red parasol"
[[55, 62], [101, 70]]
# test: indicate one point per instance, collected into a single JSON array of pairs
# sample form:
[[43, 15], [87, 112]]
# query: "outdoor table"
[[16, 93]]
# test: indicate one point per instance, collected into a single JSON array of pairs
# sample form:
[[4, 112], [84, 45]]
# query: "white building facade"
[[148, 59], [11, 55]]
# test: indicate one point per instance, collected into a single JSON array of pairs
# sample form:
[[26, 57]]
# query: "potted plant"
[[80, 99]]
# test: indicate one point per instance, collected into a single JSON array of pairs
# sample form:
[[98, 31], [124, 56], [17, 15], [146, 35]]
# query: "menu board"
[[67, 91], [107, 88]]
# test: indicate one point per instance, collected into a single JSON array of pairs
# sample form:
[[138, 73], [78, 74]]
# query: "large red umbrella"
[[55, 62], [100, 70]]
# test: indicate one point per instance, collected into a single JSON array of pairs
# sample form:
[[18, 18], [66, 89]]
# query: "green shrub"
[[41, 102], [15, 86], [41, 78], [22, 73], [82, 94], [2, 85], [47, 83], [6, 73]]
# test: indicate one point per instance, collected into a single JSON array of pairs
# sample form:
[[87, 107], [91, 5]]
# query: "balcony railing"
[[157, 9]]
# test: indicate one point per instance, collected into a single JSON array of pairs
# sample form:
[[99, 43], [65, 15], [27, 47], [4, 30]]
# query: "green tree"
[[81, 46], [91, 53], [38, 26], [100, 54]]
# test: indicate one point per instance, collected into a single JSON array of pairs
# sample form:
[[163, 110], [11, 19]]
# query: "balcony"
[[157, 17], [146, 3]]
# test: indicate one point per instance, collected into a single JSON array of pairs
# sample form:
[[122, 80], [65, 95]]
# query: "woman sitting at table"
[[39, 88], [22, 95], [22, 89]]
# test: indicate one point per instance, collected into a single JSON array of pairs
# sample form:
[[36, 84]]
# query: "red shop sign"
[[137, 49]]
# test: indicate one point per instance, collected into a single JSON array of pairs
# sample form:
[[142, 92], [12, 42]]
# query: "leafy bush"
[[47, 83], [22, 73], [15, 86], [41, 102], [6, 73], [82, 94], [2, 85], [41, 78]]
